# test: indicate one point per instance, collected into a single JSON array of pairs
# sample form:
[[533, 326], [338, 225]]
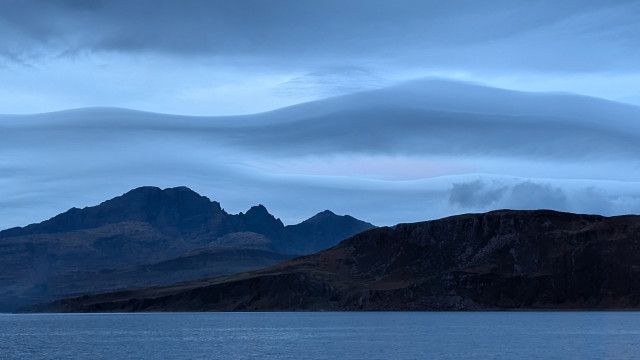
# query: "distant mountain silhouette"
[[498, 260], [321, 230], [139, 233]]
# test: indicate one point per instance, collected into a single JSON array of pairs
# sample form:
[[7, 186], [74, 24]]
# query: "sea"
[[322, 335]]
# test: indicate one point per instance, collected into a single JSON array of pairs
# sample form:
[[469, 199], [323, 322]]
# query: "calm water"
[[397, 335]]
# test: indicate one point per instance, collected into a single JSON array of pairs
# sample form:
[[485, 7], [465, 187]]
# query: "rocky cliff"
[[497, 260]]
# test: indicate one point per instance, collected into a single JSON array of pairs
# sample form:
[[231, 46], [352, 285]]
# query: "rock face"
[[122, 243], [498, 260]]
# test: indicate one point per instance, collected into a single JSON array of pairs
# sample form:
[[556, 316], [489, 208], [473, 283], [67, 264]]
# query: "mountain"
[[321, 230], [498, 260], [189, 220], [149, 236]]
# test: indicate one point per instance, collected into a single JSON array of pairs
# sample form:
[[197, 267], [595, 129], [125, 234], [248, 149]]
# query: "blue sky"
[[386, 145]]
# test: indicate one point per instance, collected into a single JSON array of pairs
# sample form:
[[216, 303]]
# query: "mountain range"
[[150, 236], [418, 150], [498, 260]]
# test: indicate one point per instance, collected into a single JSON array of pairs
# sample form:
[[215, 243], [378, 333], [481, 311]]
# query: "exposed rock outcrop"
[[498, 260]]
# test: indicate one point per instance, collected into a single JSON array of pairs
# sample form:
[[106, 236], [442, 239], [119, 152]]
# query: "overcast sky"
[[237, 57], [405, 149]]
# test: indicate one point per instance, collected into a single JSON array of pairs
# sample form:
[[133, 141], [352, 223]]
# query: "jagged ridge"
[[128, 234]]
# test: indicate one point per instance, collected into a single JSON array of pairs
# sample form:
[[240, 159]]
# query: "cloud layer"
[[536, 34], [236, 57], [393, 155]]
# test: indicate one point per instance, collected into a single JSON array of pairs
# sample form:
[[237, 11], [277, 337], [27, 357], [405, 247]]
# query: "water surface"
[[322, 335]]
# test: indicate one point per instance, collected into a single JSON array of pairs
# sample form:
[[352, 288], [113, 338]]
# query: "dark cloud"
[[523, 195], [529, 195], [484, 195], [563, 35], [592, 200], [475, 194]]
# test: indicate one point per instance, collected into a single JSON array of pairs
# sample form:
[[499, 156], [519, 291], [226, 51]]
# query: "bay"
[[322, 335]]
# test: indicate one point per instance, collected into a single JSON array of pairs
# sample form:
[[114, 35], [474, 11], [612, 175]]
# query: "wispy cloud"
[[331, 81]]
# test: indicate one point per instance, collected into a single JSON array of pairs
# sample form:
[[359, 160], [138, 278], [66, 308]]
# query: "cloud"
[[201, 57], [331, 81], [567, 36], [359, 154], [468, 120], [519, 195], [529, 195], [484, 194], [474, 194]]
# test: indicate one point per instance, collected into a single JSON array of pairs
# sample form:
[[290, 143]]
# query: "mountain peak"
[[322, 215], [145, 190], [178, 208], [148, 198], [328, 228], [260, 214], [181, 212], [258, 209], [328, 215]]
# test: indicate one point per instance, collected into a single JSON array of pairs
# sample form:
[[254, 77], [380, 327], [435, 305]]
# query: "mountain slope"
[[197, 264], [321, 230], [498, 260], [174, 211], [124, 240]]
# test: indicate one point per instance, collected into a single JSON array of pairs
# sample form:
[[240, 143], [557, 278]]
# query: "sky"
[[237, 57], [394, 111]]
